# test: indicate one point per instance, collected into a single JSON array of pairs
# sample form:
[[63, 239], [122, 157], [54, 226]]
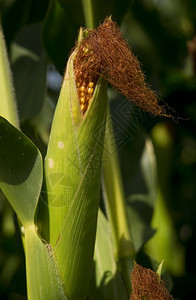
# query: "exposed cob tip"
[[104, 52], [86, 76]]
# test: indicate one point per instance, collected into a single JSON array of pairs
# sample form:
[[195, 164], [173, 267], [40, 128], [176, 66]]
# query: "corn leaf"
[[140, 203], [43, 280], [7, 99], [107, 282], [29, 67], [114, 196], [20, 171], [164, 244], [20, 180], [115, 205], [58, 35], [159, 269]]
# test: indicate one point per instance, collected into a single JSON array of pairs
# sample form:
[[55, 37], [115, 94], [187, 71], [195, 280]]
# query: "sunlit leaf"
[[7, 100], [20, 171], [107, 282], [164, 244], [43, 280]]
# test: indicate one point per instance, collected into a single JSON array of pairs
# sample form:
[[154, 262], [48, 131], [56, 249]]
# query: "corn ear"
[[72, 180]]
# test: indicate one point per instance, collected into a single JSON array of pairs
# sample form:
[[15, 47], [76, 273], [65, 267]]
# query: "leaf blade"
[[7, 103], [107, 282], [20, 171], [43, 280]]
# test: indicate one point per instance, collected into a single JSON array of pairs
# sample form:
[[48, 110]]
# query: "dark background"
[[162, 34]]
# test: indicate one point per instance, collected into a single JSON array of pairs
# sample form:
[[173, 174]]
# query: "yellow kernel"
[[83, 81], [82, 106], [91, 84], [82, 88], [90, 90], [82, 100], [82, 94]]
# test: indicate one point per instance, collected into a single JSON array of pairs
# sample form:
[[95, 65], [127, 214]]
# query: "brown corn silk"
[[147, 285], [104, 52]]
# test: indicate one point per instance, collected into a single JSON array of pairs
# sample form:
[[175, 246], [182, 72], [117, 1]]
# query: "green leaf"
[[29, 71], [114, 198], [7, 103], [43, 280], [88, 13], [20, 171], [160, 267], [138, 169], [14, 15], [107, 282], [60, 29], [164, 244], [140, 203], [116, 8], [139, 25], [17, 13]]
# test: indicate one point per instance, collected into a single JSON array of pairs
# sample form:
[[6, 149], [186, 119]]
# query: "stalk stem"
[[88, 13], [115, 204]]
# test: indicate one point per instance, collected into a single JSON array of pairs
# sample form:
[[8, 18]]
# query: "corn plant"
[[72, 250]]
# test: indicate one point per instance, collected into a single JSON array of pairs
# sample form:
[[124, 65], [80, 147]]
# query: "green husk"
[[72, 180]]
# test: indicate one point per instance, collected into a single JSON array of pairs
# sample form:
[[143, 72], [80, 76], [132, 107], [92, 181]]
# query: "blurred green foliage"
[[39, 33]]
